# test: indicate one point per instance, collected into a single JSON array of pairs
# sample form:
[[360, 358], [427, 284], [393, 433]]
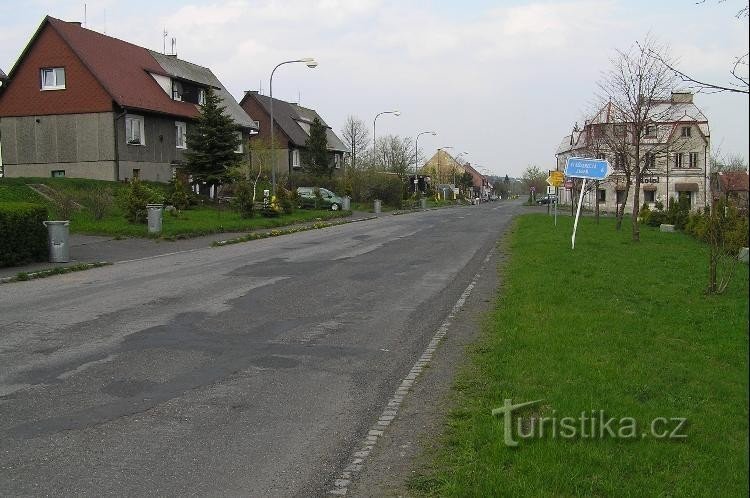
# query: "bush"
[[284, 199], [23, 236], [644, 213], [179, 196], [99, 202], [133, 200], [656, 218], [243, 198]]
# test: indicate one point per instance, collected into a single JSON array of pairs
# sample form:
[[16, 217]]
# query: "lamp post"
[[309, 62], [374, 143], [416, 156]]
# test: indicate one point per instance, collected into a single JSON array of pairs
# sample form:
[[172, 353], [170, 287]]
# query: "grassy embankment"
[[199, 220], [616, 326]]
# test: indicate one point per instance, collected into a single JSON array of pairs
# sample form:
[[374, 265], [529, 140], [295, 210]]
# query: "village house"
[[675, 154], [444, 169], [78, 103], [291, 131]]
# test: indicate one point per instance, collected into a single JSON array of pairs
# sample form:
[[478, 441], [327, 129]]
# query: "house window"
[[650, 160], [598, 131], [58, 173], [202, 96], [651, 130], [53, 78], [678, 160], [180, 137], [621, 196], [337, 161], [601, 156], [619, 130], [649, 196], [177, 90], [686, 132], [134, 131], [240, 146], [136, 173], [693, 160], [601, 196], [295, 158]]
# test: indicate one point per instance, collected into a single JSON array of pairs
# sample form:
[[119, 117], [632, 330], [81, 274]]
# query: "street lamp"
[[416, 156], [374, 143], [309, 62]]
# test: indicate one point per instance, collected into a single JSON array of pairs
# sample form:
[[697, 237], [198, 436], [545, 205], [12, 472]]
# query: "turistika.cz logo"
[[588, 425]]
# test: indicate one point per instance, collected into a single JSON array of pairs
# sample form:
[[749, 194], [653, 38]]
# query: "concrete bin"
[[377, 205], [154, 217], [58, 236], [346, 203], [666, 228], [423, 203], [743, 255]]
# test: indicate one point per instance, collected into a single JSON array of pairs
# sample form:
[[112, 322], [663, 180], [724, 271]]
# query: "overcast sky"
[[503, 81]]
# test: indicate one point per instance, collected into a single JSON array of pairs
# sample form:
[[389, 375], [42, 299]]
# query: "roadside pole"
[[578, 214], [557, 200]]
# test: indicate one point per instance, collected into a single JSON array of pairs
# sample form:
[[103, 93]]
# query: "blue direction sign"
[[591, 169]]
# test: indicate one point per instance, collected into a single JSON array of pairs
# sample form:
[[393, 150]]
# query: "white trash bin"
[[154, 217], [58, 235]]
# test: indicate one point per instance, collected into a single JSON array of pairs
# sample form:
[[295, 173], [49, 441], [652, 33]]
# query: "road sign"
[[569, 184], [556, 178], [590, 169], [533, 188]]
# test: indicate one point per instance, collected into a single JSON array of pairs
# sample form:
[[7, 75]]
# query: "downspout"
[[705, 173], [117, 146]]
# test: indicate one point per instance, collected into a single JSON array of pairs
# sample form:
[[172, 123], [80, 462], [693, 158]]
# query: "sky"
[[502, 81]]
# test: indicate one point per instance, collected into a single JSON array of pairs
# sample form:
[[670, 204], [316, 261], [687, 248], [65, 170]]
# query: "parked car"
[[547, 199], [306, 198]]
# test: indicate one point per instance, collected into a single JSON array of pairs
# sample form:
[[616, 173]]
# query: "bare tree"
[[397, 154], [738, 82], [356, 137], [636, 87]]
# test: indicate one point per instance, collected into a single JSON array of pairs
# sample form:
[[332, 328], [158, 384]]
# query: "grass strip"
[[621, 327]]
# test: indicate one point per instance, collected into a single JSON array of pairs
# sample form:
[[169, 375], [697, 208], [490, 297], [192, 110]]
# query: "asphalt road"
[[250, 369]]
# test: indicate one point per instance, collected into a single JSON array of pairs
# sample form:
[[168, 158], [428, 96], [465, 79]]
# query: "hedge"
[[23, 237]]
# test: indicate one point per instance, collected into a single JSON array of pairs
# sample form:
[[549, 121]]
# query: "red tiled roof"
[[734, 181], [122, 69]]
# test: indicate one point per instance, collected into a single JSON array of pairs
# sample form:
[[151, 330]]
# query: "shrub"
[[243, 198], [23, 236], [656, 218], [179, 196], [284, 199], [133, 200], [100, 202], [644, 213]]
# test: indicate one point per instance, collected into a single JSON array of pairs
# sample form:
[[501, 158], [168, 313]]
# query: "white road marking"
[[356, 463]]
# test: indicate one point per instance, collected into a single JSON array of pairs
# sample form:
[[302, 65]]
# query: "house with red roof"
[[78, 103]]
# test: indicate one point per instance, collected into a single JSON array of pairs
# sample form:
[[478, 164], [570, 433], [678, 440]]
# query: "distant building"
[[675, 155], [733, 186], [291, 131], [82, 104], [442, 168]]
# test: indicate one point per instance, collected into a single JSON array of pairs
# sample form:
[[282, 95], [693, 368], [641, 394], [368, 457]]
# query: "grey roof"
[[287, 115], [198, 74]]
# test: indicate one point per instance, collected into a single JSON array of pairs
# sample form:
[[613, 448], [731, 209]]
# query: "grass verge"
[[615, 326], [59, 270]]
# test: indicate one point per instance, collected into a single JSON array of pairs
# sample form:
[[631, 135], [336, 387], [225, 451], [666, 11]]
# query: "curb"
[[279, 232], [58, 270]]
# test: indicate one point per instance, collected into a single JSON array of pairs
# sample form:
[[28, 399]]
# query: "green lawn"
[[613, 326], [192, 222]]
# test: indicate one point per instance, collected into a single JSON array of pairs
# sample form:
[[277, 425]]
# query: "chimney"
[[77, 23], [682, 98]]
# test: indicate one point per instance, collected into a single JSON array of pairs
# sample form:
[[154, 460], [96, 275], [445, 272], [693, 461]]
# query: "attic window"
[[176, 90], [53, 78], [202, 97], [686, 131]]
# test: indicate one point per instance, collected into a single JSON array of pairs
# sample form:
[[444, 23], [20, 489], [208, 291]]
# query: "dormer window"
[[53, 78], [177, 91], [202, 96], [685, 132], [651, 130]]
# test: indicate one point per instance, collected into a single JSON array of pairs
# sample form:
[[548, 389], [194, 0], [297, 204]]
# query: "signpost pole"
[[578, 214], [557, 199]]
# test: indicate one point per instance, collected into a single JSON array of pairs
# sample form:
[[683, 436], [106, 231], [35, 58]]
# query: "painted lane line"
[[356, 463]]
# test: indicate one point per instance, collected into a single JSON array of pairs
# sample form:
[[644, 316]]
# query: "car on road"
[[547, 199], [307, 198]]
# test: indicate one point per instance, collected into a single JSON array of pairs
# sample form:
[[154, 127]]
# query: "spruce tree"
[[212, 143], [315, 156]]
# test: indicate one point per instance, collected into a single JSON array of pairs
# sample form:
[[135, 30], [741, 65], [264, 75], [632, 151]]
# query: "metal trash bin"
[[154, 217], [423, 203], [377, 206], [347, 203], [58, 235]]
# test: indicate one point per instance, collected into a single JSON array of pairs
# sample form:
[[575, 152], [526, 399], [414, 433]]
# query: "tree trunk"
[[621, 207], [637, 194]]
